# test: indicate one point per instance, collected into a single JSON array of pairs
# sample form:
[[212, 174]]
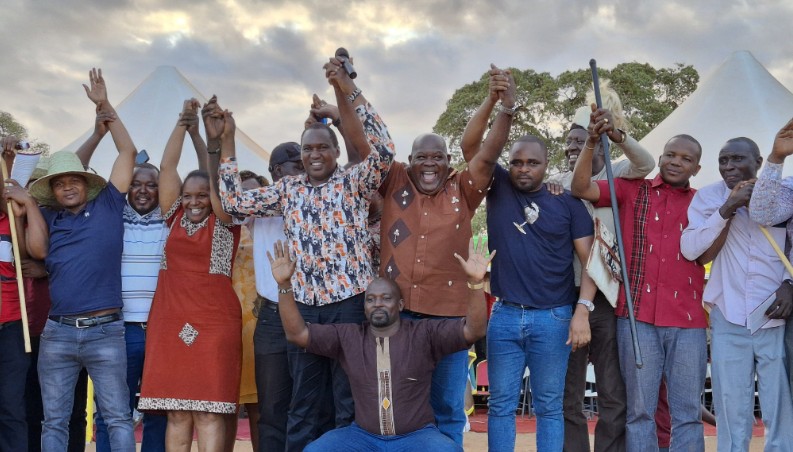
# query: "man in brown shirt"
[[389, 360], [427, 214]]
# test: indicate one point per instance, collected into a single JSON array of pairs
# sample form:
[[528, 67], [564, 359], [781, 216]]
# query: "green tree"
[[648, 96], [9, 126]]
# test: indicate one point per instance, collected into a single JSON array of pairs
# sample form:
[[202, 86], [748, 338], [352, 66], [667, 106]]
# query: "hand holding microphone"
[[344, 56]]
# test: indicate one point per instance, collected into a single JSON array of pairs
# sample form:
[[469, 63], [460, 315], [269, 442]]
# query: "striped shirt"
[[144, 238], [10, 294]]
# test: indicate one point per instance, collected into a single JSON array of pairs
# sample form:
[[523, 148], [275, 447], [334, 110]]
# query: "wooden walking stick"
[[20, 281], [604, 140]]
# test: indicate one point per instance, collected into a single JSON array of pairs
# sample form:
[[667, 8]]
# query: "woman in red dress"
[[193, 353]]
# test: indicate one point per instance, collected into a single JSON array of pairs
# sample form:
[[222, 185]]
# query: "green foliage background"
[[648, 96]]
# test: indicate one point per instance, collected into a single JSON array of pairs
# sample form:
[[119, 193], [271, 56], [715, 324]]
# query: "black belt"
[[515, 305], [142, 325], [262, 302], [10, 324], [85, 322]]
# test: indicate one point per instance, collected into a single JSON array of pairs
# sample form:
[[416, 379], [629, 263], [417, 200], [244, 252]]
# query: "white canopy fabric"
[[740, 99], [150, 113]]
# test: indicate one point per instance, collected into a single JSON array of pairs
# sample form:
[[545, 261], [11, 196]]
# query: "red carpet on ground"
[[526, 424]]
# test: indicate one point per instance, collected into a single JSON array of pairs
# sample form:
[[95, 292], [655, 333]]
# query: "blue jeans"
[[680, 356], [153, 425], [447, 395], [14, 364], [35, 410], [354, 438], [101, 350], [518, 337]]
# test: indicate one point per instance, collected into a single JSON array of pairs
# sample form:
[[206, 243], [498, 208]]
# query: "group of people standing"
[[369, 289]]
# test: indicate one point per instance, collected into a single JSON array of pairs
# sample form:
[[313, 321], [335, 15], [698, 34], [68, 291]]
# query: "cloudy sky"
[[263, 58]]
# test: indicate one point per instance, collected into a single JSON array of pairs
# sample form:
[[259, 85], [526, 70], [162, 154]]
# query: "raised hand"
[[9, 144], [213, 119], [229, 126], [783, 142], [282, 265], [189, 116], [337, 76], [321, 109], [98, 91], [603, 122], [103, 120], [478, 260]]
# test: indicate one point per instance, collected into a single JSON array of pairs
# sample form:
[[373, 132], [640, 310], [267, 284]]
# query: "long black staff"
[[604, 140]]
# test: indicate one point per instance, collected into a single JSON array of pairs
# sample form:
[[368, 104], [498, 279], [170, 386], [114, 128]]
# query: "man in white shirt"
[[273, 380], [745, 272]]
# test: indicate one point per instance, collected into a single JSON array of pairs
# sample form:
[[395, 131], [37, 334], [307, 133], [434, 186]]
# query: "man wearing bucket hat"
[[79, 232]]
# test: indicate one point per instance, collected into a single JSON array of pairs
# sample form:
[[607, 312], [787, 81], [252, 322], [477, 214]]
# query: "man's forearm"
[[293, 322], [641, 161], [471, 142], [476, 318]]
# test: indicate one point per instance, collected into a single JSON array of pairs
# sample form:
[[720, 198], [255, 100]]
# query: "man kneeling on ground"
[[389, 360]]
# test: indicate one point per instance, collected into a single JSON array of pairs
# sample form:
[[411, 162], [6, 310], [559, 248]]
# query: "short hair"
[[688, 137], [532, 139], [247, 174], [755, 150], [201, 174], [575, 126], [321, 126], [391, 283], [147, 165]]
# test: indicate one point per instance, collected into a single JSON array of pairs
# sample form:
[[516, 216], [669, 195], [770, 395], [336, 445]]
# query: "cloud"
[[264, 58]]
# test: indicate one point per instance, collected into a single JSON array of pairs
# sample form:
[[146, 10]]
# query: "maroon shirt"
[[415, 349], [670, 287]]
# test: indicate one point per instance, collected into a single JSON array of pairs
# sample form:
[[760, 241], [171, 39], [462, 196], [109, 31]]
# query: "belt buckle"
[[77, 323]]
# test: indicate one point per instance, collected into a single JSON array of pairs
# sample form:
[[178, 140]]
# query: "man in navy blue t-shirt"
[[537, 318], [78, 233]]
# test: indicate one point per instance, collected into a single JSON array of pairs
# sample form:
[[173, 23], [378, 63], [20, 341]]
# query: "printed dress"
[[193, 350]]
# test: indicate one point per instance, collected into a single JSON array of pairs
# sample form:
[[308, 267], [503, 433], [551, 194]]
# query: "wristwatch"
[[589, 305], [510, 111]]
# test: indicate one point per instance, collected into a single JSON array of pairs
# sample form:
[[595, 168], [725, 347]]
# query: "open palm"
[[478, 260], [282, 265]]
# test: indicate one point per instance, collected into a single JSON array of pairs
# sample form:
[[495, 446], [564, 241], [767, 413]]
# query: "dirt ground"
[[476, 442]]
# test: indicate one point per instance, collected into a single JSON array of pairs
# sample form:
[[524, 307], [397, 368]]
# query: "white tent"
[[740, 99], [150, 113]]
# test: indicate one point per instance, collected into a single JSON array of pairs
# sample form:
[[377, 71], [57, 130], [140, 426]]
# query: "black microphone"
[[344, 56]]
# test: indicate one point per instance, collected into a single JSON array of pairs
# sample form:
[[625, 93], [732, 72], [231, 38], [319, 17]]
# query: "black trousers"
[[602, 351], [273, 380], [321, 395], [14, 364]]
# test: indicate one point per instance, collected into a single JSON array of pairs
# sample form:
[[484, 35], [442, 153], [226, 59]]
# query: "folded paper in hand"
[[757, 318]]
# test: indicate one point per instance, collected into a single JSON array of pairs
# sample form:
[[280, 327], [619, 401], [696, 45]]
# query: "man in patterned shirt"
[[771, 204], [325, 213]]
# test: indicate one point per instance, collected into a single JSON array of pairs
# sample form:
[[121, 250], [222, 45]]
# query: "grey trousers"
[[736, 357]]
